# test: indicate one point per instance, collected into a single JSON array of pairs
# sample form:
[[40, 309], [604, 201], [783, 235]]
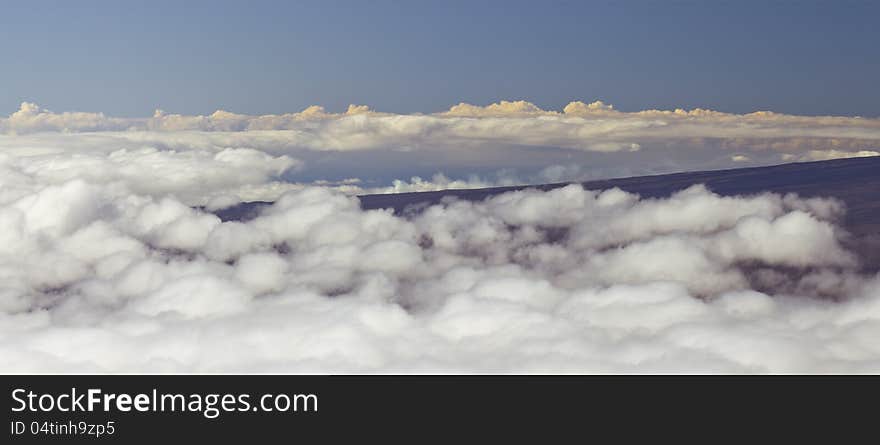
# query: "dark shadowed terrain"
[[854, 181]]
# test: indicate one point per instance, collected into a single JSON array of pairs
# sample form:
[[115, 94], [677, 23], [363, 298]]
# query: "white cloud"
[[102, 279], [503, 108], [192, 172], [824, 155], [105, 264], [594, 126]]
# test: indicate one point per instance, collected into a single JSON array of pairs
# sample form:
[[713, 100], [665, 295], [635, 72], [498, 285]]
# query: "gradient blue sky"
[[128, 58]]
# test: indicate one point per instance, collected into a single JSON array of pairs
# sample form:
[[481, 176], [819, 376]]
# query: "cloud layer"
[[109, 260], [100, 279]]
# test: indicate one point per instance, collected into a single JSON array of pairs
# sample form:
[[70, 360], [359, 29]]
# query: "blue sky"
[[128, 58]]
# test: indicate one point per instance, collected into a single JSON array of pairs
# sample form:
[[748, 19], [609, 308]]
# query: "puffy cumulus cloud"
[[552, 174], [578, 107], [97, 278], [503, 108]]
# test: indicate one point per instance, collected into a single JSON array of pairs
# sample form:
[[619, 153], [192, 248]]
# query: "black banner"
[[549, 409]]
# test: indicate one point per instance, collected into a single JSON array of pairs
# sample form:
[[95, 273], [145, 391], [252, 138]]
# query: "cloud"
[[30, 118], [98, 278], [578, 107], [219, 160], [194, 173], [503, 108], [110, 261]]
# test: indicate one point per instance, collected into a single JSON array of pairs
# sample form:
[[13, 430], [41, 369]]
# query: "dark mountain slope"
[[855, 181]]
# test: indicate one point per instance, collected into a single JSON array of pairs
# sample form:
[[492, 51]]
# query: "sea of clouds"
[[108, 263], [233, 157], [98, 279]]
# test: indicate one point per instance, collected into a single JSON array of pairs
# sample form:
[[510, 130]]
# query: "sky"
[[268, 57]]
